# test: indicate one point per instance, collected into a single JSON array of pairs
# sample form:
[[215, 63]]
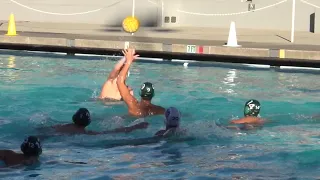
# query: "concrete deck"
[[266, 43]]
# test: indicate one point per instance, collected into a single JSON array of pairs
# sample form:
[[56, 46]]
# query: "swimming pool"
[[45, 90]]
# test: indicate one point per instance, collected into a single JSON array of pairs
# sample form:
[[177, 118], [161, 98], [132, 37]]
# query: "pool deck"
[[254, 43]]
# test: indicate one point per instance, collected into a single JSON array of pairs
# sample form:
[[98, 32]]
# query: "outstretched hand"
[[130, 54]]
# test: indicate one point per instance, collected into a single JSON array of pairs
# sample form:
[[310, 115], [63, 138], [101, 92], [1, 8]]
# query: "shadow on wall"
[[108, 28], [116, 26], [165, 30], [145, 22]]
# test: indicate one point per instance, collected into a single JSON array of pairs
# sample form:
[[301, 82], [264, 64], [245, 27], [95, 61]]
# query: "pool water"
[[39, 90]]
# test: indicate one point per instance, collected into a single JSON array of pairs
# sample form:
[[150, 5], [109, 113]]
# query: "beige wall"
[[151, 12], [112, 11]]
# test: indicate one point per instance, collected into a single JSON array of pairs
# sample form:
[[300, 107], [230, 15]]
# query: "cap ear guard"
[[246, 111]]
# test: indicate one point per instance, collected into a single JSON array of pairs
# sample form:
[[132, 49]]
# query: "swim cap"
[[147, 90], [252, 108], [173, 117], [31, 146], [82, 117]]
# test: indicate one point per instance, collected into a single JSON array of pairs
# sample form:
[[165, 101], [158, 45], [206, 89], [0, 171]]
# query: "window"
[[173, 19], [166, 19]]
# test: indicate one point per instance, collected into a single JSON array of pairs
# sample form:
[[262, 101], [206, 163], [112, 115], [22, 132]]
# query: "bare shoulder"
[[159, 109], [4, 153], [110, 83], [7, 152], [249, 119], [108, 86]]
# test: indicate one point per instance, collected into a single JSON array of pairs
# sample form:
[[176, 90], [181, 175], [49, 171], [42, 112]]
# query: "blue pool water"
[[37, 91]]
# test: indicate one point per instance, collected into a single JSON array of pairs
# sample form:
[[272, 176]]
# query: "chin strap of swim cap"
[[172, 117], [252, 108], [82, 117], [31, 146], [147, 90]]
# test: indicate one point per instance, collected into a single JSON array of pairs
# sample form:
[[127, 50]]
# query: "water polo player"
[[172, 123], [110, 91], [31, 150], [251, 117], [81, 119], [147, 91]]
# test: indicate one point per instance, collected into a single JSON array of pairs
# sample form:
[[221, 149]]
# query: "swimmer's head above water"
[[82, 117], [252, 108], [147, 91], [172, 118], [31, 146]]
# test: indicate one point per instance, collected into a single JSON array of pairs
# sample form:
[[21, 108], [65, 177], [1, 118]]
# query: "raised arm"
[[123, 88], [115, 72], [142, 125], [112, 76]]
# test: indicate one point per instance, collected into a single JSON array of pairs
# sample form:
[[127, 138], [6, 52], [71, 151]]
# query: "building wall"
[[274, 17], [109, 12], [154, 12]]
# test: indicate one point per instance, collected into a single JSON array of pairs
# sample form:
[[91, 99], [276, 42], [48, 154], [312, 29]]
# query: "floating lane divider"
[[272, 61]]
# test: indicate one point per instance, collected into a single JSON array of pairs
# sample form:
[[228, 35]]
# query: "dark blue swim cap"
[[31, 146], [172, 117], [82, 117], [147, 90]]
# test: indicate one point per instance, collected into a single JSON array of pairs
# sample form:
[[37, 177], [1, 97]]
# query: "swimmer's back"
[[11, 158], [140, 110], [110, 91], [153, 109], [248, 120], [68, 128]]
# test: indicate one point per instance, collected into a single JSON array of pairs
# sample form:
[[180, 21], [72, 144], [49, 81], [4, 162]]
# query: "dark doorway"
[[312, 22]]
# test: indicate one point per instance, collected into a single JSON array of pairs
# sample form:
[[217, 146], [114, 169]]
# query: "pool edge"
[[261, 56]]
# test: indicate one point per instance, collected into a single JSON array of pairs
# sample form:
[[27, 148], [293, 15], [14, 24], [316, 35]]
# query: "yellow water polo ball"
[[130, 24]]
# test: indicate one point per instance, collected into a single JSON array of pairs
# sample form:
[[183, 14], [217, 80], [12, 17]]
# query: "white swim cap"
[[173, 117]]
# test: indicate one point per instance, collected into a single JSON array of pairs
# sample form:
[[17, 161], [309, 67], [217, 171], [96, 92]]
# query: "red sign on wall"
[[200, 49]]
